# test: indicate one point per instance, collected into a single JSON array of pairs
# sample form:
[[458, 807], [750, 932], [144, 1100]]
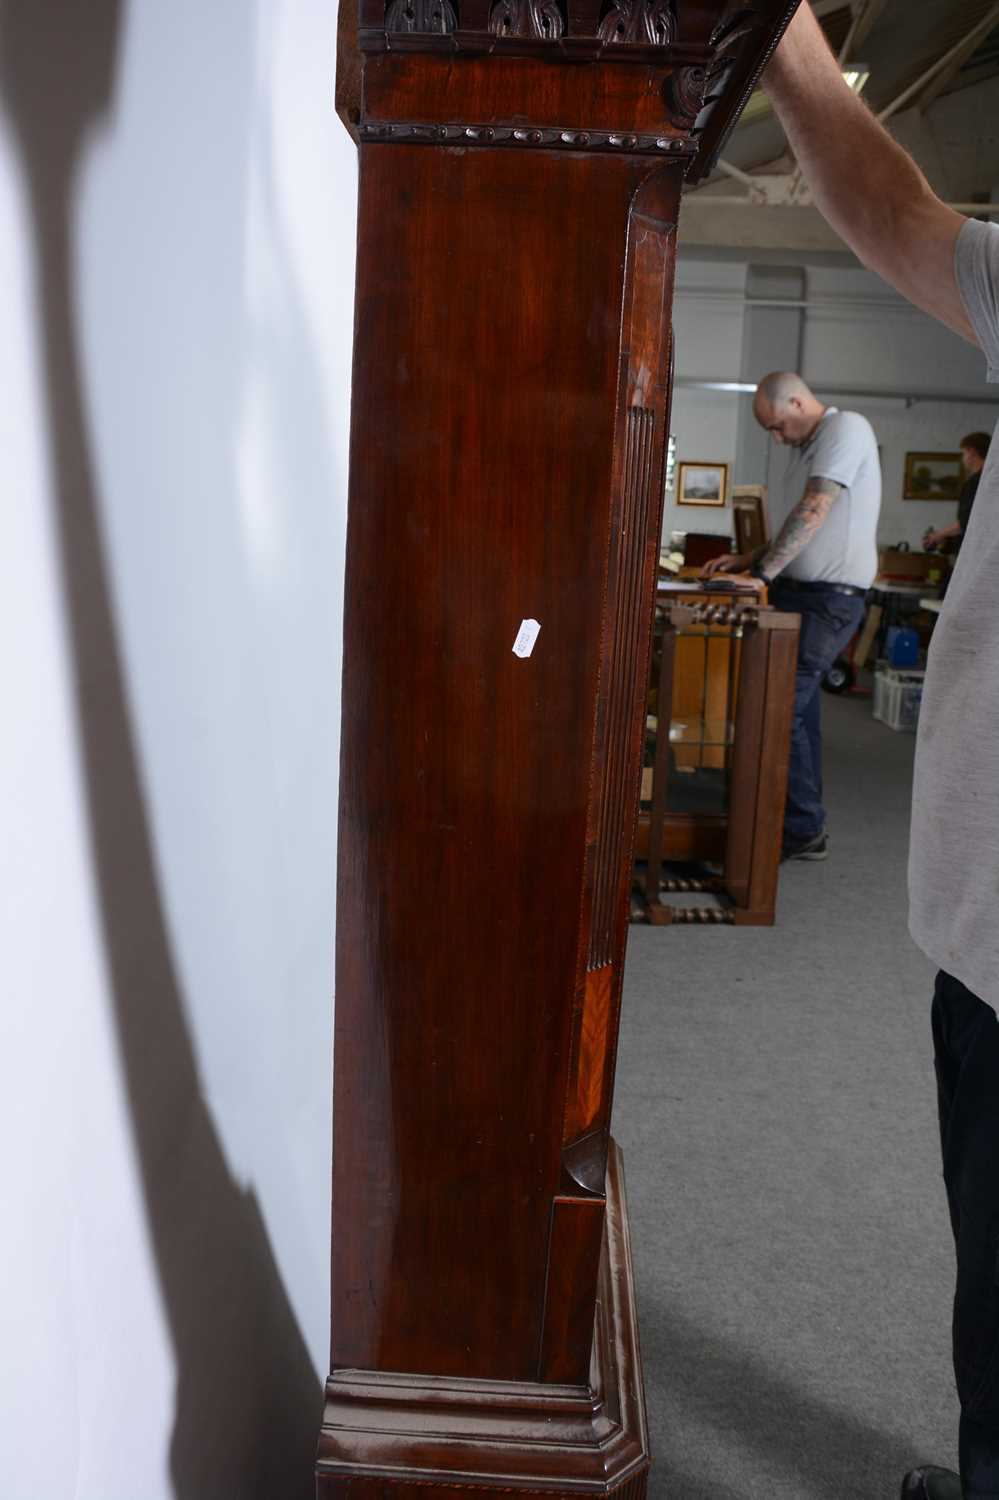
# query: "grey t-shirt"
[[954, 854], [843, 448]]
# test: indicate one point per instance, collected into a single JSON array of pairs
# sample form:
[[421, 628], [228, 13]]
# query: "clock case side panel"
[[490, 449]]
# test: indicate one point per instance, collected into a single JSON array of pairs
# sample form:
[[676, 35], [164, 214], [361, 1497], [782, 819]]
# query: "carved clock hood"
[[709, 55]]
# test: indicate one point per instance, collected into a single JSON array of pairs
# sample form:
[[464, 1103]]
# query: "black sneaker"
[[932, 1484], [814, 849]]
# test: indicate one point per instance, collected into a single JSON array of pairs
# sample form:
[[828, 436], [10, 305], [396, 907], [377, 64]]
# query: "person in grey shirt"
[[876, 198], [820, 566]]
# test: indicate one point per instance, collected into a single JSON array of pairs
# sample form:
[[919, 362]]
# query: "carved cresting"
[[538, 19], [421, 16], [733, 32], [638, 23], [736, 26], [686, 89], [633, 23]]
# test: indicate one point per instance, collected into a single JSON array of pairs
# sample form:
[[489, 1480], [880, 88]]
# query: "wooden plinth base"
[[409, 1437]]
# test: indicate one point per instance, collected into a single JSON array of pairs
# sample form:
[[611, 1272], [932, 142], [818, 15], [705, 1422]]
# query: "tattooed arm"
[[808, 517]]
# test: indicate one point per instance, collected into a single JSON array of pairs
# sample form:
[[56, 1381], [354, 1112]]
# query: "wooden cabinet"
[[723, 679], [521, 166], [705, 698]]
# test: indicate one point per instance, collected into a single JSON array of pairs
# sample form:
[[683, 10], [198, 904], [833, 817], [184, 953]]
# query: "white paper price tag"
[[526, 637]]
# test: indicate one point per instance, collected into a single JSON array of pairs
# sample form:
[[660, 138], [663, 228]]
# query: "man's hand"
[[731, 562], [748, 581], [934, 538]]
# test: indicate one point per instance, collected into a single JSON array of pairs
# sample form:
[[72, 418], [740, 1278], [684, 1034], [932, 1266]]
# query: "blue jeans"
[[829, 622], [966, 1054]]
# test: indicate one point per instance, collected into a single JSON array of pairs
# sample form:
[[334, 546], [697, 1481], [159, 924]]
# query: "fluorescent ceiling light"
[[856, 75], [738, 387]]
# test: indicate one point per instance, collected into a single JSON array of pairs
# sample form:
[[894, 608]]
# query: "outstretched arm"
[[865, 185], [808, 517], [944, 534]]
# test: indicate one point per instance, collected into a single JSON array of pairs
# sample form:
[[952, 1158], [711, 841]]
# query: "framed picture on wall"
[[933, 476], [702, 484]]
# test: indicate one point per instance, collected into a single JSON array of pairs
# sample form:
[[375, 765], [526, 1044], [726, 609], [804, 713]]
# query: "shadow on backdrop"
[[247, 1397]]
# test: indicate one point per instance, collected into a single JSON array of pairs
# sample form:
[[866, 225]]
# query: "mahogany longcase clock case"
[[521, 166]]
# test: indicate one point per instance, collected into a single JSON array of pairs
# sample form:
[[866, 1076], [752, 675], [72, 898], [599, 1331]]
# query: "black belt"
[[815, 586]]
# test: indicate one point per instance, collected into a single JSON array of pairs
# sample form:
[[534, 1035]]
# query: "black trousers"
[[966, 1046]]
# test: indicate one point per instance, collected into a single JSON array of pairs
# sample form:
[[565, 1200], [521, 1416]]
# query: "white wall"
[[177, 204], [858, 337], [708, 323]]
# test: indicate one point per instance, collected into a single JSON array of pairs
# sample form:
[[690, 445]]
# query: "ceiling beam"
[[869, 17], [909, 394], [866, 15], [846, 51], [962, 52], [957, 55]]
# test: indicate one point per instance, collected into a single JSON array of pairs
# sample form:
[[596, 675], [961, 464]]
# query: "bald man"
[[820, 566]]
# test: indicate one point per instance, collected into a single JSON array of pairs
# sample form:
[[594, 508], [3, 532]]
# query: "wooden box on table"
[[521, 166]]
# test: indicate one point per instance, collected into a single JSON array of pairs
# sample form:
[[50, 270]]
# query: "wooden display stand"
[[520, 174], [724, 702]]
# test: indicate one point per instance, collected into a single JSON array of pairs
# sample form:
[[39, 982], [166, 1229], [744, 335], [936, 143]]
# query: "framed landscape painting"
[[702, 484], [933, 476]]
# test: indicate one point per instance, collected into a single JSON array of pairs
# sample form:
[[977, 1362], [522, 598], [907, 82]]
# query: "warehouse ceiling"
[[947, 118]]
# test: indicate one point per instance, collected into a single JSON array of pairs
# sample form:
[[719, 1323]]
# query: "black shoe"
[[932, 1484], [814, 849]]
